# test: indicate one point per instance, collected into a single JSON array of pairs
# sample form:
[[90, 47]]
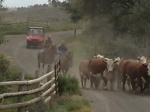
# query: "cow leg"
[[85, 79], [145, 83], [111, 84], [119, 81], [82, 78], [129, 83], [123, 81], [92, 80], [138, 84], [96, 81], [133, 86], [105, 81], [146, 86]]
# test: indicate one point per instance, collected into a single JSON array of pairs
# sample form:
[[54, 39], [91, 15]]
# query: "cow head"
[[110, 64], [118, 60], [142, 59]]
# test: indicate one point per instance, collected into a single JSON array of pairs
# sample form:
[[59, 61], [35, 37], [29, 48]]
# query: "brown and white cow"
[[84, 72], [97, 68], [121, 65], [135, 71]]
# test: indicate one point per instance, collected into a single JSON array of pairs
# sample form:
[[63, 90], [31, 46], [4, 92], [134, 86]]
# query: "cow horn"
[[143, 80]]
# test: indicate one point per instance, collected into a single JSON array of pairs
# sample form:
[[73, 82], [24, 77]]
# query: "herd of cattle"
[[136, 72]]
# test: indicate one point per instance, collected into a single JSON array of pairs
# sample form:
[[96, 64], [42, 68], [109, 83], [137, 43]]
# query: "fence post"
[[59, 63], [57, 72], [48, 70], [27, 21], [20, 88], [47, 24], [55, 68], [37, 75]]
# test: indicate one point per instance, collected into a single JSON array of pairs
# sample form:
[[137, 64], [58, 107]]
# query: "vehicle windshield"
[[38, 32]]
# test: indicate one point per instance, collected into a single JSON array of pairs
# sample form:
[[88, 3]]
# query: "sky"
[[23, 3]]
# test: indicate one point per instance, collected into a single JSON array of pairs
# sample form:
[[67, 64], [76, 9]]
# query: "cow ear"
[[105, 60], [138, 57]]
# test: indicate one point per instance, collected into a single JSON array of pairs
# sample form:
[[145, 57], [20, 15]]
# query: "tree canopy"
[[127, 16]]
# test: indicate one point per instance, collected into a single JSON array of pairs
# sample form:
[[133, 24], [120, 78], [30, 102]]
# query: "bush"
[[68, 84], [4, 67], [8, 73]]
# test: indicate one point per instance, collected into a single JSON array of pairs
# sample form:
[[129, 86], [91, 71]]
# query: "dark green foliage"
[[4, 67], [75, 14], [68, 84], [127, 16]]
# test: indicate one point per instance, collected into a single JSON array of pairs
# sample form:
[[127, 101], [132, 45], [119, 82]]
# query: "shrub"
[[4, 67], [68, 84]]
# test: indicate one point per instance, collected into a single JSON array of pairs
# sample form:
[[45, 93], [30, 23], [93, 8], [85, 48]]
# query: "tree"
[[1, 34], [75, 14], [55, 3], [127, 16]]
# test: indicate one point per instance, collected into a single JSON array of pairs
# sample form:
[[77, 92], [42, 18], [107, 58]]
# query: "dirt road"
[[101, 101]]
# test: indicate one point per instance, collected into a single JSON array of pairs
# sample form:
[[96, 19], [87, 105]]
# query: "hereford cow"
[[120, 70], [111, 77], [84, 72], [97, 68], [136, 71]]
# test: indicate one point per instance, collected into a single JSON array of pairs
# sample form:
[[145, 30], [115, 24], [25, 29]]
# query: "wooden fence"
[[45, 22], [43, 92]]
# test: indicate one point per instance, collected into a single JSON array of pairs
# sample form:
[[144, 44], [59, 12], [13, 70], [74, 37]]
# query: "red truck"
[[35, 37]]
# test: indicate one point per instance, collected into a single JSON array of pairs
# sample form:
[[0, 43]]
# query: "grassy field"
[[51, 18]]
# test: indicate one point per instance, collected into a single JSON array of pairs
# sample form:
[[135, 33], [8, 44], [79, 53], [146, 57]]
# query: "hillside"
[[39, 12]]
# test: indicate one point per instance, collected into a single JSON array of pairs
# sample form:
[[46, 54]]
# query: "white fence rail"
[[43, 92]]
